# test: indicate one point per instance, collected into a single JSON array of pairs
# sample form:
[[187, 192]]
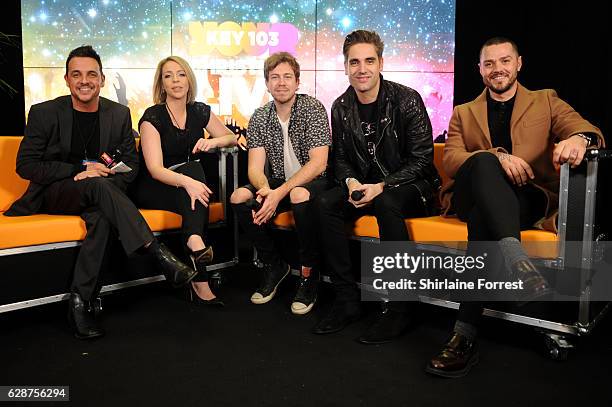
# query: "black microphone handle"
[[357, 195], [253, 204]]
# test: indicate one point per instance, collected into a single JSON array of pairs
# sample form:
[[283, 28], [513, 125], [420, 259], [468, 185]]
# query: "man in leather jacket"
[[383, 165]]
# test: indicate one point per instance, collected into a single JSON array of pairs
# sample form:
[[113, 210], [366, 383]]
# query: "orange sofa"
[[24, 235], [438, 230], [25, 231]]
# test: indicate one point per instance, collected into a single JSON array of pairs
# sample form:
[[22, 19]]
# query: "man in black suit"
[[59, 156]]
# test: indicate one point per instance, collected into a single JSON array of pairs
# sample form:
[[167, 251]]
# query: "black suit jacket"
[[44, 151]]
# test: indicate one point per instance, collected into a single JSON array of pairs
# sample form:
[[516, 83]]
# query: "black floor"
[[161, 351]]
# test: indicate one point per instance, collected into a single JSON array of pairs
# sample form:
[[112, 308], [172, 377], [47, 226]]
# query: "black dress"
[[176, 145]]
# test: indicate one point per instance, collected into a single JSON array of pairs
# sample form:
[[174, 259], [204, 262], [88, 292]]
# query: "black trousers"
[[305, 224], [390, 208], [494, 209], [106, 210], [149, 193]]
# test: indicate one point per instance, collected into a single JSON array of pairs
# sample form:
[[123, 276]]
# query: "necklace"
[[174, 118], [91, 133], [182, 134]]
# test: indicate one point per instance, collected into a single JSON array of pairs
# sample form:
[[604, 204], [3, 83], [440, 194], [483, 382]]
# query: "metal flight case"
[[584, 231]]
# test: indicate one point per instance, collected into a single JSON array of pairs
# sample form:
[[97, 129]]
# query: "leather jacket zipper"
[[388, 121], [422, 197]]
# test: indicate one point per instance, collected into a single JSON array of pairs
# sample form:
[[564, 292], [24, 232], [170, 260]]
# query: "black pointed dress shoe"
[[389, 325], [176, 272], [81, 319], [339, 317], [194, 298], [456, 359]]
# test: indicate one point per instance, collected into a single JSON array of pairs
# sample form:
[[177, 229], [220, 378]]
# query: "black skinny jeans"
[[305, 224], [390, 208], [493, 208]]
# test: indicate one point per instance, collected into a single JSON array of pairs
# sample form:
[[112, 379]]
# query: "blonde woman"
[[173, 179]]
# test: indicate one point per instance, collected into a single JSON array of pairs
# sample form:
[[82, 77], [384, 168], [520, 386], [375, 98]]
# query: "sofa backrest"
[[12, 186], [438, 155]]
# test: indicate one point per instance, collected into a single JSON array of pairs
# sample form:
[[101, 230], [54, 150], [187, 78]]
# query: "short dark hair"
[[278, 58], [86, 51], [363, 37], [497, 41]]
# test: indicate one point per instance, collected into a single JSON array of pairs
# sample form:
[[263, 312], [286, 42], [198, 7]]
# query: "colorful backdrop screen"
[[227, 41]]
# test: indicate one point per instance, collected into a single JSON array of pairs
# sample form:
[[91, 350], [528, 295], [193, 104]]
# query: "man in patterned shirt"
[[291, 135]]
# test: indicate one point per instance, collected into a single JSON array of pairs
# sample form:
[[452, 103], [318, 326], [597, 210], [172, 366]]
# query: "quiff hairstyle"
[[84, 51], [363, 37]]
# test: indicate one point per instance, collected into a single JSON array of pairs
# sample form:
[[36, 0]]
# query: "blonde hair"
[[159, 94]]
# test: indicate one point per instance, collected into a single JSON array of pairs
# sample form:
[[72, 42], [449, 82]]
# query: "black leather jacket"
[[404, 147]]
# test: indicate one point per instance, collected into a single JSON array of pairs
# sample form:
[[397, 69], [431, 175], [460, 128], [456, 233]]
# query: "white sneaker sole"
[[299, 308]]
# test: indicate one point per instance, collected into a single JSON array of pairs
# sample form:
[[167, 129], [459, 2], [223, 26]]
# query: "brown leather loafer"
[[535, 285], [456, 358]]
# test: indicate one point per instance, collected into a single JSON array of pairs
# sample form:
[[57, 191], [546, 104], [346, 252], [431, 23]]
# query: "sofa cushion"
[[18, 231]]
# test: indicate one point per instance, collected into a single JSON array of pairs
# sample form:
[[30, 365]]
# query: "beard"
[[284, 98], [503, 89]]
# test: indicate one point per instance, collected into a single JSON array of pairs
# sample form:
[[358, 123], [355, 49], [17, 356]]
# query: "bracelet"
[[585, 138]]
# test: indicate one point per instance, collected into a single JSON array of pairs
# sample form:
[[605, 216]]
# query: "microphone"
[[357, 195], [253, 204]]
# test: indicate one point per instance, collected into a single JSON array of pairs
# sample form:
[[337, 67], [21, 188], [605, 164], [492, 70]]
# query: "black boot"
[[176, 272], [306, 293], [273, 274], [342, 313], [389, 325], [81, 319]]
